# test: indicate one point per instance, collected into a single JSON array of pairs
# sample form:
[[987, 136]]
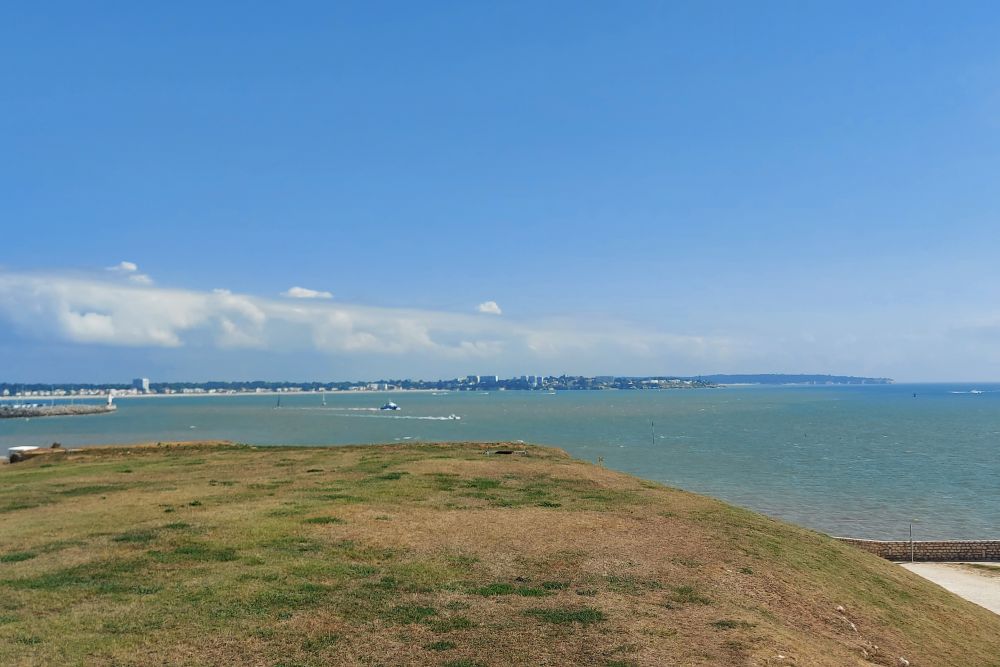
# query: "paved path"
[[975, 584]]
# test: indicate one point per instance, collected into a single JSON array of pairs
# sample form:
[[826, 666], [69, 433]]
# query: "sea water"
[[862, 461]]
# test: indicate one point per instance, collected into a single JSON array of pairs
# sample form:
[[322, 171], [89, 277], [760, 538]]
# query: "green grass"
[[196, 552], [378, 556], [321, 642], [729, 624], [483, 483], [296, 544], [114, 576], [27, 640], [631, 585], [135, 536], [16, 505], [390, 476], [289, 597], [342, 497], [688, 595], [18, 556], [91, 490], [451, 624], [324, 520], [440, 646], [408, 613], [497, 589], [583, 616]]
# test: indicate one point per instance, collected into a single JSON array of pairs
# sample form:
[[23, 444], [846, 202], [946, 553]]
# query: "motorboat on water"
[[389, 406]]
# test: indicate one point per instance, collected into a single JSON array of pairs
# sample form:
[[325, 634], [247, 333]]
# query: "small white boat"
[[389, 406]]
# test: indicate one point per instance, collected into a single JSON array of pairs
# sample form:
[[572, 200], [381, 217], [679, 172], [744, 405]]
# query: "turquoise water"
[[863, 461]]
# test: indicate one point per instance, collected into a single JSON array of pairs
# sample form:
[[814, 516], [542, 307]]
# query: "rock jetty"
[[17, 411]]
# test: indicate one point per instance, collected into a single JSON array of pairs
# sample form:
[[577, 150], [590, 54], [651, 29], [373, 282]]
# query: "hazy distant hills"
[[781, 378]]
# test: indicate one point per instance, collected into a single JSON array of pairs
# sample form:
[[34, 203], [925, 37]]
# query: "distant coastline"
[[143, 387], [793, 379]]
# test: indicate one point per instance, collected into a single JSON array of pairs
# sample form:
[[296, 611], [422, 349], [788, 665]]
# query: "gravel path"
[[976, 582]]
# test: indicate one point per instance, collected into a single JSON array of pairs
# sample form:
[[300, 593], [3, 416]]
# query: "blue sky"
[[642, 188]]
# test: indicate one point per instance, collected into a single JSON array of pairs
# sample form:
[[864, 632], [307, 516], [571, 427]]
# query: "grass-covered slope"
[[439, 555]]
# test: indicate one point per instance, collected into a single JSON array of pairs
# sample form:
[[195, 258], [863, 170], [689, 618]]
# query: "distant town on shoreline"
[[143, 386]]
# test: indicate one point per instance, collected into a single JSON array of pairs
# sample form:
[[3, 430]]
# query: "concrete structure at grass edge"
[[929, 551]]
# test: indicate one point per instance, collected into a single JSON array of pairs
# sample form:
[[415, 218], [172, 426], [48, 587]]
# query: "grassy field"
[[439, 555]]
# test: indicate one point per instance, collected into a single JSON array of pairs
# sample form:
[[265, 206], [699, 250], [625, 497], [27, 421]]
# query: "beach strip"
[[976, 582]]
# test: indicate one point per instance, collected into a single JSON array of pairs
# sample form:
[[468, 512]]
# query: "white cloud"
[[124, 267], [305, 293], [89, 310], [490, 307], [131, 269]]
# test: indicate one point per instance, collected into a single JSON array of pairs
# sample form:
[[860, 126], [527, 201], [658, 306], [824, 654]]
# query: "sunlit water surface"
[[864, 461]]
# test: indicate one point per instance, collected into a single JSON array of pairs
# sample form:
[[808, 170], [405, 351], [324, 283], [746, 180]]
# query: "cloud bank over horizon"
[[111, 310], [105, 325]]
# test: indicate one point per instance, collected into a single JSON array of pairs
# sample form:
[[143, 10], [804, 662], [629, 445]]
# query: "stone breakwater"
[[940, 551], [14, 412]]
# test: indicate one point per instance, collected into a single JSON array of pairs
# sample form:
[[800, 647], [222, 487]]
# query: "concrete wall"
[[947, 550]]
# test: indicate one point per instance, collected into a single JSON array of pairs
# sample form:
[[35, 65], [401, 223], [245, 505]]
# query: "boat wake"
[[449, 418], [325, 409]]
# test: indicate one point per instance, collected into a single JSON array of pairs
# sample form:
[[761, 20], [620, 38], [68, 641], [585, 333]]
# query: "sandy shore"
[[976, 582]]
